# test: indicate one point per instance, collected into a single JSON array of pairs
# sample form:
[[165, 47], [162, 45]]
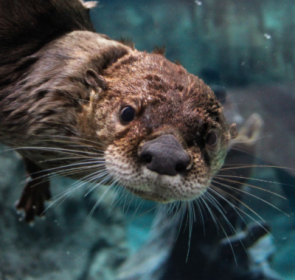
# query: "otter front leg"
[[35, 193]]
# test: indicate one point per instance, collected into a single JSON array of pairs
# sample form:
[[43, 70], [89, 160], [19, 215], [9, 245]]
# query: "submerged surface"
[[244, 46]]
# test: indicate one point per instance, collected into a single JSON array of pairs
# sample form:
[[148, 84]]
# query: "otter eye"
[[211, 139], [127, 114]]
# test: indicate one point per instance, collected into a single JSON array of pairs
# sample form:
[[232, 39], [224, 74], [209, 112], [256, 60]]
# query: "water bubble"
[[267, 36], [199, 3]]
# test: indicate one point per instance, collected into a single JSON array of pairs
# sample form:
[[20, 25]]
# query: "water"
[[246, 47]]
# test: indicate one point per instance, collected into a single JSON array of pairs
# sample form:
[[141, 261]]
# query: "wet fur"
[[59, 80]]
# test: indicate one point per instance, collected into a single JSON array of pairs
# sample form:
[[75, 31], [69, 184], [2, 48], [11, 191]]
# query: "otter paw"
[[32, 200]]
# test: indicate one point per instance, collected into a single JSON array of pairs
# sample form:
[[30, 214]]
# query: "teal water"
[[245, 47]]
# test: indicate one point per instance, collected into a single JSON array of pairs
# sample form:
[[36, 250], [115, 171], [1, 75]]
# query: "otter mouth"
[[152, 196]]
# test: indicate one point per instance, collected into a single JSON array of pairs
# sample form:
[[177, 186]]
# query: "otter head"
[[163, 129]]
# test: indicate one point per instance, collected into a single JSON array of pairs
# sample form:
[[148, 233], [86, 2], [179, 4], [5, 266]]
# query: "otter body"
[[76, 103]]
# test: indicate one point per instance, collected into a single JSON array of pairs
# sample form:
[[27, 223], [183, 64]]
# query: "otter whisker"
[[200, 212], [135, 212], [69, 138], [62, 168], [252, 186], [173, 208], [77, 154], [100, 199], [247, 193], [218, 206], [56, 138], [115, 200], [182, 211], [69, 158], [256, 166], [169, 209], [148, 211], [93, 188], [46, 177], [253, 179], [70, 144], [124, 197], [186, 207], [222, 193], [127, 200], [69, 171], [67, 192], [215, 204], [69, 141], [64, 195], [121, 198], [232, 229], [63, 172], [59, 197], [132, 198], [54, 149], [202, 198], [190, 220], [192, 213], [91, 178], [163, 208], [252, 154], [77, 185], [217, 222], [220, 209], [241, 202]]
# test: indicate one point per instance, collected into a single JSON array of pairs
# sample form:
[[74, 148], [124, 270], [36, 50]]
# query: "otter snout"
[[164, 155]]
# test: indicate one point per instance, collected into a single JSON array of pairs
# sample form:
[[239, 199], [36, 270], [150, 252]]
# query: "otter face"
[[163, 129]]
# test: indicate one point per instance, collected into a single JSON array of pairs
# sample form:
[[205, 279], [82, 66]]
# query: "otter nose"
[[164, 155]]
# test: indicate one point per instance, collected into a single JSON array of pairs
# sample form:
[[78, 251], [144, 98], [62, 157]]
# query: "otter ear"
[[95, 80], [233, 131]]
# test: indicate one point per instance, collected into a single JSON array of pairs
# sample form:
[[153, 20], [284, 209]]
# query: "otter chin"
[[79, 104]]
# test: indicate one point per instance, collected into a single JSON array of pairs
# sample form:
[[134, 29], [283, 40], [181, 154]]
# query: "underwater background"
[[245, 51]]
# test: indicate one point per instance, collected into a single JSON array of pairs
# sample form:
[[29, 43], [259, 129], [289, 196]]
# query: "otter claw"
[[32, 201]]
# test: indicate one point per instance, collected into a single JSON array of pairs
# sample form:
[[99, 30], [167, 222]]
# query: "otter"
[[77, 103]]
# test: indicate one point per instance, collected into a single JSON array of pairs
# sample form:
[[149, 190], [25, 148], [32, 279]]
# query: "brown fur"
[[45, 94]]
